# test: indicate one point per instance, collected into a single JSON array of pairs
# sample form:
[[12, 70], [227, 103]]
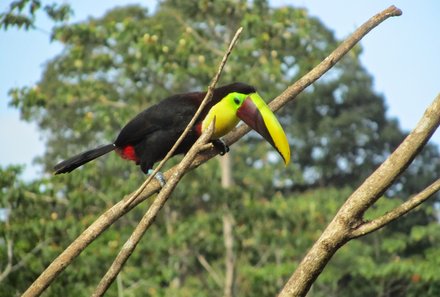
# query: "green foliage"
[[114, 66], [22, 13]]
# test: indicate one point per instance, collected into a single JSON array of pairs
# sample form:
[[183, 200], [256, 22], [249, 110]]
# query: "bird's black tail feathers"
[[80, 159]]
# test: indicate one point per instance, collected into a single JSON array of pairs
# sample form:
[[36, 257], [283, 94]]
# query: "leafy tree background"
[[114, 66]]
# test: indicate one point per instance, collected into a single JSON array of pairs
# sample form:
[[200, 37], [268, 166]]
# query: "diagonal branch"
[[397, 212], [215, 276], [118, 210], [380, 180], [228, 225], [10, 256], [350, 214], [149, 217], [9, 266], [164, 194], [294, 90], [205, 101], [28, 256]]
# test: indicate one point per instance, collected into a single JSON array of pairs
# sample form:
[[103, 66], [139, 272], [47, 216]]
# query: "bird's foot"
[[221, 146], [159, 177]]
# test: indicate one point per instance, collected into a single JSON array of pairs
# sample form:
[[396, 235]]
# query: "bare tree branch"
[[10, 256], [397, 212], [294, 90], [118, 210], [29, 255], [215, 276], [350, 215], [228, 224], [164, 194], [205, 101], [149, 217], [10, 267]]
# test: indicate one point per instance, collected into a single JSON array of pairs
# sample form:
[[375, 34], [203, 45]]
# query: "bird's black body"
[[148, 137]]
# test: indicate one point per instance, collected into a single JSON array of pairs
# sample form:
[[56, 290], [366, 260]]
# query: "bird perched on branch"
[[148, 137]]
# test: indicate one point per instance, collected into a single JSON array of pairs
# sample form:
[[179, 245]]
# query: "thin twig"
[[118, 210], [294, 90], [10, 256], [190, 125], [215, 276], [28, 256], [228, 225], [149, 217], [10, 267], [397, 212]]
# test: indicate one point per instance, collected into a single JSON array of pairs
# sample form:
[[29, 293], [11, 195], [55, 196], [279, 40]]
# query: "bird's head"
[[240, 101]]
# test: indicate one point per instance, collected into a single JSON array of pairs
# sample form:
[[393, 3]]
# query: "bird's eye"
[[236, 100]]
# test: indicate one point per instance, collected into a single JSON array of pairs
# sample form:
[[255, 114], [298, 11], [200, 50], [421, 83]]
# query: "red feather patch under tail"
[[128, 153]]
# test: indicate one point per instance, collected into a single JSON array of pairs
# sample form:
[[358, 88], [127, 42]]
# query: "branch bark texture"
[[57, 266], [164, 194], [401, 210], [121, 208], [149, 217], [349, 216], [205, 101]]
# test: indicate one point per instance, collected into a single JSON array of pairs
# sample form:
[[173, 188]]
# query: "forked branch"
[[118, 210], [397, 212], [349, 216]]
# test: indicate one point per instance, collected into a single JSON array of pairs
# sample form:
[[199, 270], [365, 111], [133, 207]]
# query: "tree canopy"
[[113, 67]]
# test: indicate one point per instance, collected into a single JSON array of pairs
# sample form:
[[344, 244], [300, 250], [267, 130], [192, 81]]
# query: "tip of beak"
[[259, 117], [285, 154]]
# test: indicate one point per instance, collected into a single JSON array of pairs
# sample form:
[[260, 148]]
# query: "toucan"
[[148, 137]]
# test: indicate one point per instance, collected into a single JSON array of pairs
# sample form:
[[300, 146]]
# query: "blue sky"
[[402, 54]]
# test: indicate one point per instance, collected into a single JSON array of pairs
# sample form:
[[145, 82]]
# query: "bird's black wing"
[[174, 112]]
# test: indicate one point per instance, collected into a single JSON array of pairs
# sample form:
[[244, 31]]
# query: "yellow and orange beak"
[[259, 117]]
